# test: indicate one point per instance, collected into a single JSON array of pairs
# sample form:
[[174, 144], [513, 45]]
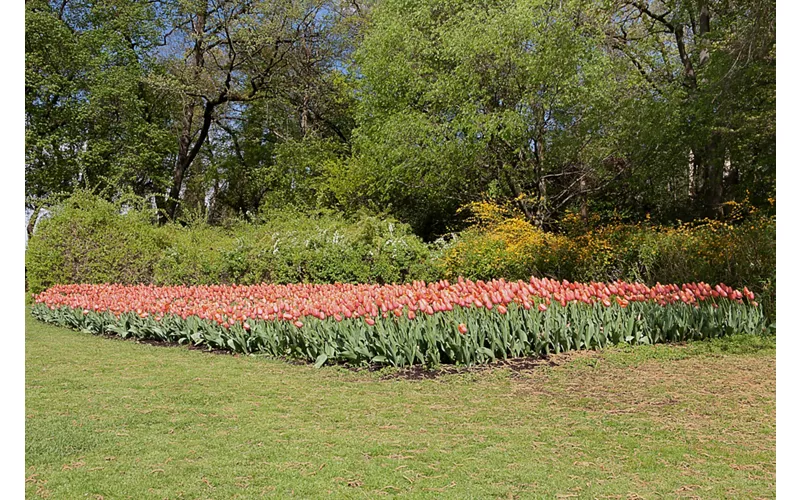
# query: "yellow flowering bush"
[[501, 242]]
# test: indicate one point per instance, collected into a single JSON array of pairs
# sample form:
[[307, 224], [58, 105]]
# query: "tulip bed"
[[463, 322]]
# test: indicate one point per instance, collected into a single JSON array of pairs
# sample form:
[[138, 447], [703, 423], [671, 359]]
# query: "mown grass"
[[108, 418]]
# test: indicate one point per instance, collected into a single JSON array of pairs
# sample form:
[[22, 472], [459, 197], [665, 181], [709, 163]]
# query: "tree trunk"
[[730, 178], [584, 203], [711, 169], [32, 221], [187, 153]]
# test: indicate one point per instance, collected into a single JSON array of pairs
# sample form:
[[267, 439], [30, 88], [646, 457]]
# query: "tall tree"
[[133, 93], [90, 118], [714, 62], [513, 98], [236, 53]]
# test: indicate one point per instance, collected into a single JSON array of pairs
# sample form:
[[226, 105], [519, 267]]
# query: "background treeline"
[[221, 109]]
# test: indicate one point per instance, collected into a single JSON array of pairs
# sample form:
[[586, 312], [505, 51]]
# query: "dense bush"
[[294, 247], [89, 240], [739, 251]]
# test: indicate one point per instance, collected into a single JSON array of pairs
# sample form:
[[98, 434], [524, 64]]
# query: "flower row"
[[229, 305]]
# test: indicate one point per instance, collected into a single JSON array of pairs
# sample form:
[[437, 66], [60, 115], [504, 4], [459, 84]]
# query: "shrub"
[[502, 243], [326, 248], [293, 247], [193, 255], [89, 240]]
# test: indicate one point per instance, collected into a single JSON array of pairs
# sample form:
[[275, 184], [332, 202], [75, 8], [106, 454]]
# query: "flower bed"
[[463, 322]]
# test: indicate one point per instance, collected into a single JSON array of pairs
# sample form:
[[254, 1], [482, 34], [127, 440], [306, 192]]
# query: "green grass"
[[108, 418]]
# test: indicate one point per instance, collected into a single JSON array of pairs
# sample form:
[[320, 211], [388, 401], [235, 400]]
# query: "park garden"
[[508, 249]]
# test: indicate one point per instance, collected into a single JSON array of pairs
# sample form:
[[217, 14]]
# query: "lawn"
[[109, 418]]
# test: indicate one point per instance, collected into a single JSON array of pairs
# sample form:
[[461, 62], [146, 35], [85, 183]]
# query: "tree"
[[514, 98], [132, 94], [90, 118], [235, 107], [236, 53], [713, 61]]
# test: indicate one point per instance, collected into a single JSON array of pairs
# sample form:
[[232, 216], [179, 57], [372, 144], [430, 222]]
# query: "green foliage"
[[88, 240], [406, 107], [293, 247], [91, 118], [434, 339], [191, 255], [460, 98], [709, 70]]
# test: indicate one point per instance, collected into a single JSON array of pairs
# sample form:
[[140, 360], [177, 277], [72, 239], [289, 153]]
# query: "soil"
[[416, 372], [516, 365]]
